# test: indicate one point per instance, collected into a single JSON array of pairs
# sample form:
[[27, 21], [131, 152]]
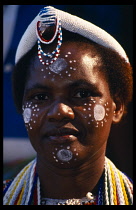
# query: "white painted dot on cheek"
[[27, 115], [99, 112]]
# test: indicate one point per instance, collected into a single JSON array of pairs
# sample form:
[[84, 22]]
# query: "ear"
[[118, 110]]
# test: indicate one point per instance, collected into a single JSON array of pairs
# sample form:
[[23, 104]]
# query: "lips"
[[62, 135]]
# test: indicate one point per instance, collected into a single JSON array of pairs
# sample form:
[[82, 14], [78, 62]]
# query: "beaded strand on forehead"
[[114, 189]]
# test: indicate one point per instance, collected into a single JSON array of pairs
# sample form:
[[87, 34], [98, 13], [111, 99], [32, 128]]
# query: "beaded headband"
[[50, 16]]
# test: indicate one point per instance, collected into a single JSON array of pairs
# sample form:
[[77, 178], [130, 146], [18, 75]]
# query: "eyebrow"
[[37, 86], [81, 82], [85, 83]]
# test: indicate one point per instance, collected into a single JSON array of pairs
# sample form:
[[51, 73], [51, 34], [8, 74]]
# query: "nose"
[[59, 112]]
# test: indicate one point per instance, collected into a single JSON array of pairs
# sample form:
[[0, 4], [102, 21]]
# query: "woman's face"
[[67, 107]]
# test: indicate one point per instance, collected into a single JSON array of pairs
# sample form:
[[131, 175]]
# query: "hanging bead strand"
[[55, 53], [48, 17]]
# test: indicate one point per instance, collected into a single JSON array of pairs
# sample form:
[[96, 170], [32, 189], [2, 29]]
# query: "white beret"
[[73, 24]]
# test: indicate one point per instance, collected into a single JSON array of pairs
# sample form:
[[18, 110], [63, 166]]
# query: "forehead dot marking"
[[58, 65]]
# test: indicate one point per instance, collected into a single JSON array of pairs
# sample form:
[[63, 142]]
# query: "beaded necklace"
[[115, 188]]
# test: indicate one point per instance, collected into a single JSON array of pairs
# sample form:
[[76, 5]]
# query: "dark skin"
[[66, 119]]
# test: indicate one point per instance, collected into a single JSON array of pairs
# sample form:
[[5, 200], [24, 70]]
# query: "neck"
[[70, 183]]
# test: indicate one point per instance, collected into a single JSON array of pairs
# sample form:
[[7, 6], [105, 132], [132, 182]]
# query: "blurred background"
[[116, 20]]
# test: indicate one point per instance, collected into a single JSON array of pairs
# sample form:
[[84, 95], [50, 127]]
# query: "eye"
[[41, 97], [82, 94]]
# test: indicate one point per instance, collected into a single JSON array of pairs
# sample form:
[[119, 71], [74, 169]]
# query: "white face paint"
[[59, 65], [30, 114], [64, 155], [27, 115], [99, 112]]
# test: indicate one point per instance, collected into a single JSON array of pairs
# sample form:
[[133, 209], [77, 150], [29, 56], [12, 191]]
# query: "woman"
[[70, 94]]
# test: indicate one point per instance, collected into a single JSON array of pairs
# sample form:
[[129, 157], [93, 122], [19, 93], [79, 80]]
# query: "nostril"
[[59, 112]]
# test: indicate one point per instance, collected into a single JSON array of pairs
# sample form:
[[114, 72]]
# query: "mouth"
[[62, 135]]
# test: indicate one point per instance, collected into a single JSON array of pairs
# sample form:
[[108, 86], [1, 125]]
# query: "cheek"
[[30, 115], [96, 113]]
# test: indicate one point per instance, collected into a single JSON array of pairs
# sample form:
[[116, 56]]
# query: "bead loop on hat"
[[47, 17]]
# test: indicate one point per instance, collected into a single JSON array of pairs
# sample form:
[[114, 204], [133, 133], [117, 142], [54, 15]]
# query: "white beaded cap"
[[73, 24]]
